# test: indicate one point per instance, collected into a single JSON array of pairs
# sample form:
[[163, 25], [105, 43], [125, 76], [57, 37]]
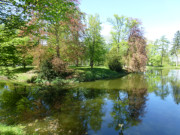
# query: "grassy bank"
[[17, 74], [11, 130], [97, 73], [80, 74], [163, 67]]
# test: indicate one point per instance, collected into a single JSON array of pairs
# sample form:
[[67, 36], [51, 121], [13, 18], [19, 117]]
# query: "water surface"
[[136, 104]]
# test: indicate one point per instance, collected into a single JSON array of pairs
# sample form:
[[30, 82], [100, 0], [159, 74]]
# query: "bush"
[[32, 79], [115, 65], [59, 66], [53, 68], [46, 70]]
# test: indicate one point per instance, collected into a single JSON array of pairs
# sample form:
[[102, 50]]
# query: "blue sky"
[[159, 17]]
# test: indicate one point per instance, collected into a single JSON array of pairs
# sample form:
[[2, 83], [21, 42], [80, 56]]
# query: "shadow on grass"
[[100, 70], [98, 74], [8, 133]]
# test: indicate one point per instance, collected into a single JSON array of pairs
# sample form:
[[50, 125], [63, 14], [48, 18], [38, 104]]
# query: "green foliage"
[[11, 48], [56, 29], [8, 43], [176, 43], [100, 52], [94, 41], [114, 60], [24, 104], [53, 68], [10, 23], [163, 44], [155, 60], [158, 52], [11, 130], [121, 28], [97, 73], [154, 57], [115, 65], [88, 76], [130, 54], [32, 79], [62, 81], [175, 50], [46, 70], [24, 49]]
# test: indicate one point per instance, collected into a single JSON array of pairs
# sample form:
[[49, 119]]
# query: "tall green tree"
[[56, 13], [9, 40], [8, 44], [163, 44], [122, 26], [153, 54], [15, 30], [121, 29], [176, 46], [71, 39], [93, 39], [11, 20]]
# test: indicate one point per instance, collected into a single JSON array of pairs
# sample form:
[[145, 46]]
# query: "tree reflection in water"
[[175, 84], [81, 110], [66, 111], [129, 104]]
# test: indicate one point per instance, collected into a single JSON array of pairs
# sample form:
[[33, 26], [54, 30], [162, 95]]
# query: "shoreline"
[[29, 75]]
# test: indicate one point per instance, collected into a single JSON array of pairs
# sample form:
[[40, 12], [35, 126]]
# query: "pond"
[[136, 104]]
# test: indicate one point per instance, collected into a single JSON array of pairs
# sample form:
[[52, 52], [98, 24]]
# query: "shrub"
[[59, 66], [53, 68], [115, 65], [46, 70], [32, 79]]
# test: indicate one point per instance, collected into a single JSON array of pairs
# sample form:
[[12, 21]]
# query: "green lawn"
[[82, 74], [11, 130], [18, 74], [97, 73]]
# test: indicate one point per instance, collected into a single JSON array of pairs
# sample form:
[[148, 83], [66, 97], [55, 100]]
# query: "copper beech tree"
[[136, 55], [74, 48]]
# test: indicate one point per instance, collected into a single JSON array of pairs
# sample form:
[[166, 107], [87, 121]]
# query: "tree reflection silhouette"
[[71, 111], [128, 108], [175, 84]]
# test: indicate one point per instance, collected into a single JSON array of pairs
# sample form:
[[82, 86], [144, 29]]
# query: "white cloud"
[[106, 31], [156, 32]]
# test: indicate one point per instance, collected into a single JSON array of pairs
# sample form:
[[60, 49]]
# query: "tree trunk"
[[92, 55], [81, 62], [91, 63], [57, 51], [161, 59], [57, 41], [77, 62], [24, 64], [118, 48], [176, 61]]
